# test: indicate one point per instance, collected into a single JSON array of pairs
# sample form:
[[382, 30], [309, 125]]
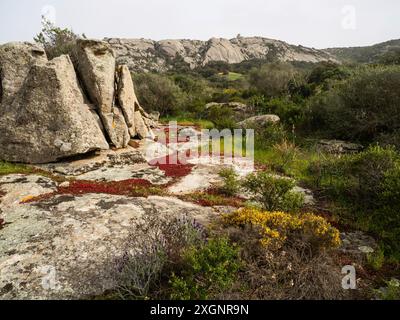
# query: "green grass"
[[187, 121], [233, 76], [11, 168]]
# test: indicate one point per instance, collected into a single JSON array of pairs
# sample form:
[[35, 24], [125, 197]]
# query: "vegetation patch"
[[276, 228], [132, 187], [213, 197], [172, 166]]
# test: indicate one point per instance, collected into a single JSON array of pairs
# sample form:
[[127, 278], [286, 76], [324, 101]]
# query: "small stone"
[[366, 249], [64, 184]]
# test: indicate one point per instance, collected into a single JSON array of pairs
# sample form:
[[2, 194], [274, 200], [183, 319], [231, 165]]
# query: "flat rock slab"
[[18, 188], [103, 159], [61, 247], [120, 173]]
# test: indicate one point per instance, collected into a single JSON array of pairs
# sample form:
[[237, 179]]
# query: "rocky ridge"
[[149, 55]]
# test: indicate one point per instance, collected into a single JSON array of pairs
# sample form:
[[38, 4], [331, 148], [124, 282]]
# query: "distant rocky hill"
[[148, 55], [366, 54]]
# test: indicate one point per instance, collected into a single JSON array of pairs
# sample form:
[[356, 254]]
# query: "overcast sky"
[[314, 23]]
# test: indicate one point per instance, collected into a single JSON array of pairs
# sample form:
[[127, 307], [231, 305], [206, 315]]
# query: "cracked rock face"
[[48, 119], [96, 66], [45, 114], [16, 59]]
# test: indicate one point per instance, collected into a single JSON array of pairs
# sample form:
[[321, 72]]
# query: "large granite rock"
[[45, 114], [96, 65], [48, 119], [16, 59]]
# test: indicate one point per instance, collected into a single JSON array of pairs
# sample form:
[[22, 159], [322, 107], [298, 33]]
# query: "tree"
[[273, 79], [362, 108], [56, 41], [159, 93], [391, 57]]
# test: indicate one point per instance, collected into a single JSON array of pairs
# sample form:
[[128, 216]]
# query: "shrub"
[[149, 250], [222, 117], [269, 136], [273, 193], [326, 71], [272, 80], [289, 112], [159, 93], [207, 270], [56, 41], [363, 107], [286, 153], [277, 228], [376, 259], [368, 185], [231, 185], [284, 256], [391, 291]]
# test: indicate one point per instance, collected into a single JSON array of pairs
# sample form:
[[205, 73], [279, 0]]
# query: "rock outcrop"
[[260, 121], [45, 114], [48, 119], [127, 98], [148, 55], [338, 147], [16, 59], [96, 66]]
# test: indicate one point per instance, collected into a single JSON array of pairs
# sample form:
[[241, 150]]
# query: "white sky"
[[314, 23]]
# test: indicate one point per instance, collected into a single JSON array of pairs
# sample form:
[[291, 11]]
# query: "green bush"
[[222, 117], [391, 291], [367, 185], [273, 193], [159, 93], [231, 184], [273, 79], [56, 41], [207, 270], [362, 108], [289, 112], [149, 251], [266, 137]]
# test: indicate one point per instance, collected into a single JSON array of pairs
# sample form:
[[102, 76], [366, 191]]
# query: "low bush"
[[367, 185], [285, 256], [222, 117], [207, 271], [275, 229], [391, 291], [286, 152], [273, 193], [362, 108], [267, 137], [150, 250], [231, 184]]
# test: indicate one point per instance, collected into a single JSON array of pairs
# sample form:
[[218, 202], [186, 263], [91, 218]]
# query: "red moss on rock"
[[172, 166], [114, 187], [79, 187]]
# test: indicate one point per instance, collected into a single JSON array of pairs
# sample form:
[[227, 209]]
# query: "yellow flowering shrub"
[[276, 228]]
